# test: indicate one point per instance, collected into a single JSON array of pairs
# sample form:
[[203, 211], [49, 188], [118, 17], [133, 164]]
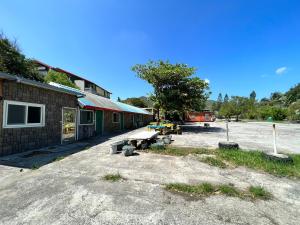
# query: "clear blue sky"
[[238, 45]]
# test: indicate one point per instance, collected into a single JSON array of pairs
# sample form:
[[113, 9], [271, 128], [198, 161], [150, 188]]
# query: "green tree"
[[174, 87], [253, 95], [135, 102], [226, 110], [226, 98], [12, 61], [60, 78], [119, 99], [293, 94], [294, 111]]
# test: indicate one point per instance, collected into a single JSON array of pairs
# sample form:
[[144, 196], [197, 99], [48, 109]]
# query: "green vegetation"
[[175, 87], [213, 162], [59, 78], [251, 159], [207, 189], [279, 106], [59, 158], [12, 61], [113, 177], [176, 151], [35, 167], [259, 193]]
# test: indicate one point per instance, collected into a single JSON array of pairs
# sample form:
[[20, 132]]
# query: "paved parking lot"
[[72, 191], [249, 135]]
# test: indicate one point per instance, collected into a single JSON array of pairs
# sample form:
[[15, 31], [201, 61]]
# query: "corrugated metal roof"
[[92, 100], [130, 108], [96, 101], [38, 84]]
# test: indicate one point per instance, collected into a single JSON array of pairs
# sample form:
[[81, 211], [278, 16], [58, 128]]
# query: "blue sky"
[[238, 45]]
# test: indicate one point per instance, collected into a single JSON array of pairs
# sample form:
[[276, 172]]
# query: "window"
[[116, 117], [86, 117], [22, 114]]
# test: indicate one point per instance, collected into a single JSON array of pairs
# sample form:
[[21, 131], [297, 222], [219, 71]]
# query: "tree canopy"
[[138, 102], [61, 78], [175, 88], [12, 61]]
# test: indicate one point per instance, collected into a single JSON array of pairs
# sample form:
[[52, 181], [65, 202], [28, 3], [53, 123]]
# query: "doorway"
[[99, 122], [68, 125]]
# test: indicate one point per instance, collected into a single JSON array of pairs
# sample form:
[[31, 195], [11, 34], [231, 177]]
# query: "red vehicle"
[[205, 116]]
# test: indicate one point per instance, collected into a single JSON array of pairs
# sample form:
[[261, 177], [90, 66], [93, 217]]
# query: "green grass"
[[251, 159], [259, 193], [213, 162], [59, 158], [176, 151], [113, 177], [229, 190], [256, 160], [207, 189], [35, 167]]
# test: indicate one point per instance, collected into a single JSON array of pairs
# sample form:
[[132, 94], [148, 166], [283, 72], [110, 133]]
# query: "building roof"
[[67, 72], [38, 84], [92, 101]]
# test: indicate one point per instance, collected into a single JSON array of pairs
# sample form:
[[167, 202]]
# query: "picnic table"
[[144, 135]]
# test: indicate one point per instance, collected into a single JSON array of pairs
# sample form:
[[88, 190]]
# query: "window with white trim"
[[86, 117], [116, 117], [22, 114]]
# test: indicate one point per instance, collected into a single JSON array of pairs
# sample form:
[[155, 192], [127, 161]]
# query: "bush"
[[59, 78]]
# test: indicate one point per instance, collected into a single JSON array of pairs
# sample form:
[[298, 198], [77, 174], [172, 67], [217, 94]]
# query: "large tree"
[[14, 62], [60, 78], [175, 88]]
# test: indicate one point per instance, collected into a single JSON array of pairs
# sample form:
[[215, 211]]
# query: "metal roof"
[[132, 109], [23, 80], [95, 101], [99, 102]]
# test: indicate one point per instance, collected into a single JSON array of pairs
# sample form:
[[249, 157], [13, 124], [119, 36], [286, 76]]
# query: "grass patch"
[[207, 189], [213, 162], [59, 158], [35, 167], [229, 190], [259, 193], [113, 177], [251, 159], [176, 151], [256, 160]]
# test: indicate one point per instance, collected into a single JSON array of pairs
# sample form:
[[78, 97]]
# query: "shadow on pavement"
[[201, 129], [36, 158]]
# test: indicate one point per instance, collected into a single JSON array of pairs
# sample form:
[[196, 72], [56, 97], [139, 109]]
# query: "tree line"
[[279, 106]]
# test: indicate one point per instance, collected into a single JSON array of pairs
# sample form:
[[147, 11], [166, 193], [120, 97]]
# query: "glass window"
[[34, 114], [116, 117], [16, 114], [22, 114], [86, 117]]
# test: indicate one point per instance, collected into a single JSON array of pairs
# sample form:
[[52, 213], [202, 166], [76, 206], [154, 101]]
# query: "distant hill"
[[142, 102]]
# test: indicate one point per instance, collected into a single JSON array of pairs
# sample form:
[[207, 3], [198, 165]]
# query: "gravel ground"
[[249, 135], [72, 191]]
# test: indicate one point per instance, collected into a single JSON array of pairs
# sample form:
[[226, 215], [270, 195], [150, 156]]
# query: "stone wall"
[[15, 140]]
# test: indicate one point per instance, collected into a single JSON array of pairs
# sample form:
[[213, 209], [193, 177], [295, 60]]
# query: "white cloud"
[[206, 80], [281, 70]]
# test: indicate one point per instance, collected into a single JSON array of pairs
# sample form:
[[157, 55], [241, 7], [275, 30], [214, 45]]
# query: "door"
[[68, 125], [99, 122]]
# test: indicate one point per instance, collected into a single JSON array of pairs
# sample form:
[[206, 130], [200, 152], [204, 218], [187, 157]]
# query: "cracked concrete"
[[72, 191]]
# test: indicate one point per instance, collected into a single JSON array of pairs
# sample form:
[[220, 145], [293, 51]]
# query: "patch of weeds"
[[199, 189], [176, 151], [113, 177], [86, 147], [256, 160], [258, 192], [207, 189], [213, 162], [35, 167], [229, 190], [59, 158]]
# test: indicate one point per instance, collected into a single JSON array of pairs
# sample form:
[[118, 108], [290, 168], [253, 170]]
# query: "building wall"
[[128, 123], [15, 140], [109, 126], [86, 131]]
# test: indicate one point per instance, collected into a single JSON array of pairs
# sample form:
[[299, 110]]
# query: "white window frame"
[[118, 117], [86, 111], [26, 124]]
